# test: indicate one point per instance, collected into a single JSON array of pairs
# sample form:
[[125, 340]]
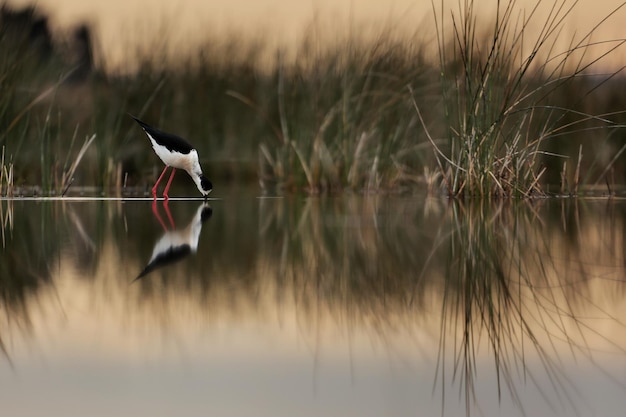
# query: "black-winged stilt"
[[175, 152]]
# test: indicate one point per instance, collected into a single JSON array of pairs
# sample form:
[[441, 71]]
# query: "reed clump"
[[343, 119], [502, 89]]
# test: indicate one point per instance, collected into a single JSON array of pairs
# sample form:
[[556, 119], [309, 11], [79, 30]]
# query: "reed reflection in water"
[[333, 305]]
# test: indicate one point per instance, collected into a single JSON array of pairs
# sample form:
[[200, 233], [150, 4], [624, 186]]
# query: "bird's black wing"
[[169, 140]]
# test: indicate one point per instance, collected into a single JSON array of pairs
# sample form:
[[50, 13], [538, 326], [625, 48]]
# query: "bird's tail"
[[141, 123]]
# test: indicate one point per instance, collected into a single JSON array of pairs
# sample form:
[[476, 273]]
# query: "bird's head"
[[205, 186]]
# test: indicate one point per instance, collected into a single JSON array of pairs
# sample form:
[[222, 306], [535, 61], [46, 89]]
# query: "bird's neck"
[[194, 170], [196, 178]]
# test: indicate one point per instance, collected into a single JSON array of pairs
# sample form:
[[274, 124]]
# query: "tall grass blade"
[[68, 177]]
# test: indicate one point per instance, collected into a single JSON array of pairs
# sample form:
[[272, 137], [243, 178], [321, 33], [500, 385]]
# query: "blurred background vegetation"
[[359, 115]]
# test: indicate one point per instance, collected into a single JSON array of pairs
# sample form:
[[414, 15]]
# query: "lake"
[[350, 305]]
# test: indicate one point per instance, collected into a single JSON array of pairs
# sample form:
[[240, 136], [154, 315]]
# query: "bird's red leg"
[[167, 187], [156, 184]]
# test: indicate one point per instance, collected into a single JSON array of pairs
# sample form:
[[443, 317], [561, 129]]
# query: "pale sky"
[[122, 25]]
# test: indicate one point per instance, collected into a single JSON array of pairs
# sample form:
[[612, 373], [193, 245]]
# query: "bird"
[[177, 153], [176, 244]]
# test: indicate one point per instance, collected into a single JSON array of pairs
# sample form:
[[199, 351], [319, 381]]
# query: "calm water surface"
[[330, 306]]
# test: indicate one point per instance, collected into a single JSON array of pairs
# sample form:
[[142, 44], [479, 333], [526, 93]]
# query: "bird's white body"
[[187, 161]]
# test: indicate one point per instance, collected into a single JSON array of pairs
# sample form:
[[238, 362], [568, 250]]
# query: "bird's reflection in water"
[[176, 244]]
